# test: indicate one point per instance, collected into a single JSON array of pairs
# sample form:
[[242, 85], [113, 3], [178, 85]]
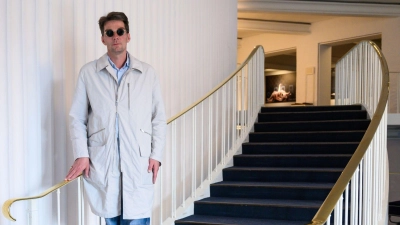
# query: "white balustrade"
[[202, 140], [359, 80]]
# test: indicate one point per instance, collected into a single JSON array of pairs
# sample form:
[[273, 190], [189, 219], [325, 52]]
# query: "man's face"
[[115, 44]]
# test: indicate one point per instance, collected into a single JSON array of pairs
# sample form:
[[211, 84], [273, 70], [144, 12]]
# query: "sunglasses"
[[110, 33]]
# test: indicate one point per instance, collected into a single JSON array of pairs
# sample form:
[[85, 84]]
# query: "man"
[[117, 129]]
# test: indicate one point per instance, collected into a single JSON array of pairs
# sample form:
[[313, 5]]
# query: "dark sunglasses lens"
[[110, 33], [120, 32]]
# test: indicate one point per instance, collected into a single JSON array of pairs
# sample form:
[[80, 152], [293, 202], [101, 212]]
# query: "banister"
[[328, 205], [7, 204]]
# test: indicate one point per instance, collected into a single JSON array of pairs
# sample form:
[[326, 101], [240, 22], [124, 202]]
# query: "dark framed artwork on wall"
[[280, 88]]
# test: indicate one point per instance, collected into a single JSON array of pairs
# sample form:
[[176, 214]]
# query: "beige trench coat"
[[142, 129]]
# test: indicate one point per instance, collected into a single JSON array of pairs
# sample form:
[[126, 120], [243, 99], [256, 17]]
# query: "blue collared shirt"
[[119, 72]]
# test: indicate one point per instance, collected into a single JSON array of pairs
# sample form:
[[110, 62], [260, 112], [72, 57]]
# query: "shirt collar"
[[126, 65], [103, 62]]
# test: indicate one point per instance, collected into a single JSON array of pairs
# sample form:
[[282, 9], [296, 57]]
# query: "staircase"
[[291, 162]]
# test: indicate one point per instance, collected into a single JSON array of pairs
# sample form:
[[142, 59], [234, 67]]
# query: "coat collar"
[[103, 63]]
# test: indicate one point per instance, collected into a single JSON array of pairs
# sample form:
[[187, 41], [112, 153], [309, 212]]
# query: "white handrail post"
[[33, 212], [79, 203], [216, 130], [201, 145], [194, 154], [58, 207], [183, 150], [173, 164], [210, 136], [82, 202], [161, 195]]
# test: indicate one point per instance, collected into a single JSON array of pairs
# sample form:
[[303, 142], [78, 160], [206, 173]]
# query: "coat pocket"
[[96, 138], [144, 143], [98, 165]]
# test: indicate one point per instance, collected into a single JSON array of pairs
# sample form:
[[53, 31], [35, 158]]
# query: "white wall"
[[337, 29], [192, 45]]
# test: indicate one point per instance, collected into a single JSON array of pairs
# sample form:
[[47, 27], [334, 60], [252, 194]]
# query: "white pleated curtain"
[[43, 44]]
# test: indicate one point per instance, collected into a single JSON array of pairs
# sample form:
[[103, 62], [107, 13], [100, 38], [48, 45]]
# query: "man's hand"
[[80, 165], [154, 165]]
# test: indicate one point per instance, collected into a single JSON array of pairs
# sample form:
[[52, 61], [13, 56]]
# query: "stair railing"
[[203, 138], [201, 141], [56, 188], [360, 194]]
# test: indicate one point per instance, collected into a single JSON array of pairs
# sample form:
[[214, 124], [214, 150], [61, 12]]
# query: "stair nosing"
[[302, 143], [204, 201], [314, 112], [302, 169], [291, 155], [305, 132], [315, 121], [292, 185]]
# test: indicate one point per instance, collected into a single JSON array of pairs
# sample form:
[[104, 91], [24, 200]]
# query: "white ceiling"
[[296, 16], [282, 20]]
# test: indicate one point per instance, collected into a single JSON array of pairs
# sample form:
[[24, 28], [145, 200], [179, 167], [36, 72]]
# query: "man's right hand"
[[80, 165]]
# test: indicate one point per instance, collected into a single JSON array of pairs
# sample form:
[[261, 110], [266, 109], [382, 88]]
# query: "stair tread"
[[311, 112], [311, 107], [275, 184], [219, 220], [307, 132], [301, 143], [315, 121], [262, 202], [300, 169], [292, 155]]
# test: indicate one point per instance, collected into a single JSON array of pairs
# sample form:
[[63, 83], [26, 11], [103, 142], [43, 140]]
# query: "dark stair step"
[[271, 190], [311, 108], [292, 160], [324, 125], [277, 174], [257, 208], [312, 136], [223, 220], [312, 116], [300, 147]]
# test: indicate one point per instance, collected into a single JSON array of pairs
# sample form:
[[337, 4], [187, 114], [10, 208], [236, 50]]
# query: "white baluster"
[[58, 207], [79, 203]]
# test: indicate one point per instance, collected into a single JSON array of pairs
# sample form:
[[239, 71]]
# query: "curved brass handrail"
[[218, 86], [7, 204], [329, 204]]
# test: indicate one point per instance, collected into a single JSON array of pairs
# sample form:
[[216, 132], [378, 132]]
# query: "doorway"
[[329, 54], [280, 77]]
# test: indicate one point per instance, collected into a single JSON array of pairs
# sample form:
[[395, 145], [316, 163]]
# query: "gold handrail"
[[7, 204], [329, 204], [218, 86]]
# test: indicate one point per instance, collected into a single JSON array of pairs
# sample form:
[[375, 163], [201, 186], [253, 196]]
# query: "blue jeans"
[[119, 221]]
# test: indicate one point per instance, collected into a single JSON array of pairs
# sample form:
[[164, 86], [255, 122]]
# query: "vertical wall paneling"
[[16, 106], [5, 172], [59, 89], [191, 45]]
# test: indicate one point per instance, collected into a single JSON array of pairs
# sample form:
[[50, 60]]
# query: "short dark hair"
[[113, 16]]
